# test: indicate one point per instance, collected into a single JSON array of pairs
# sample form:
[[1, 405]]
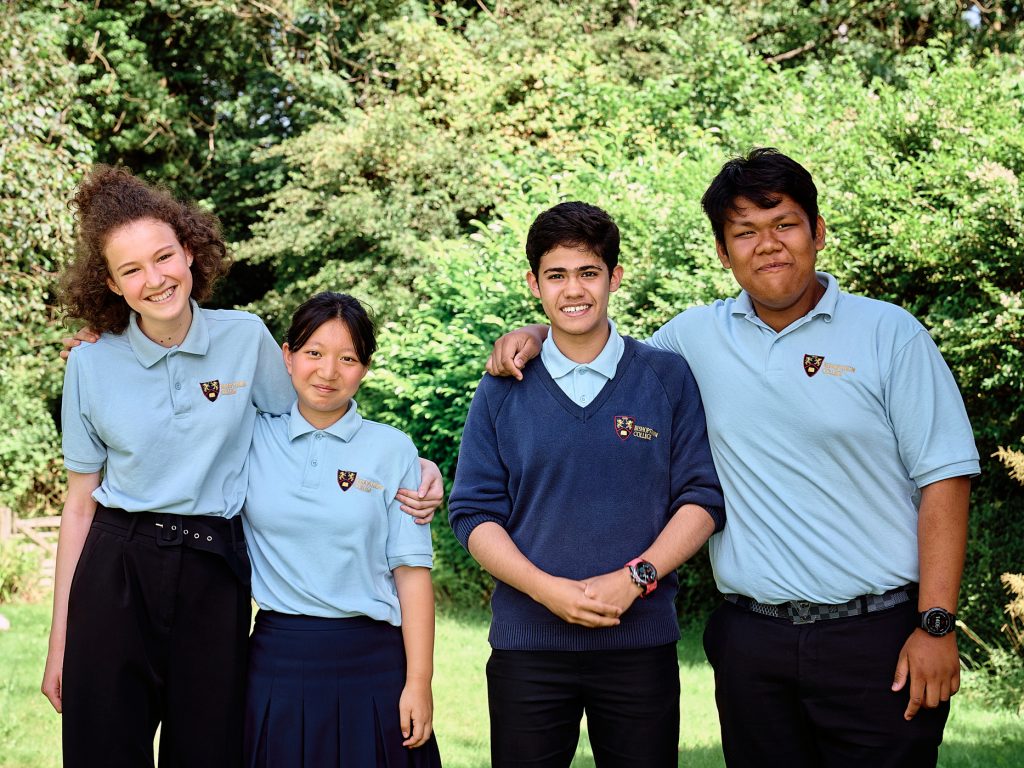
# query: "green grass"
[[30, 730]]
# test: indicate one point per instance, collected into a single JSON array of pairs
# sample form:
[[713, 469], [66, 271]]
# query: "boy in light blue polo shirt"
[[845, 454]]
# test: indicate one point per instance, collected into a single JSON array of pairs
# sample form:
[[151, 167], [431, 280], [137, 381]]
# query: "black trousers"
[[817, 695], [631, 698], [156, 635]]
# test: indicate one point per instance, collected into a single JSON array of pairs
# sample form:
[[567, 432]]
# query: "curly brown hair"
[[109, 198]]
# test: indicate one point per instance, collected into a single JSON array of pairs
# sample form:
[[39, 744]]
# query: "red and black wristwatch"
[[644, 575]]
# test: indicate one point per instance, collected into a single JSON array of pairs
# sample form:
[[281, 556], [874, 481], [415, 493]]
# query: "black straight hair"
[[573, 225], [762, 177], [327, 306]]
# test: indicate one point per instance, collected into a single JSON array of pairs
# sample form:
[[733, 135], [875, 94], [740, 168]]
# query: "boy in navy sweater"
[[581, 490]]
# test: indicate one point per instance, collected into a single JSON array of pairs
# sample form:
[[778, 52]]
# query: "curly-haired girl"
[[151, 597]]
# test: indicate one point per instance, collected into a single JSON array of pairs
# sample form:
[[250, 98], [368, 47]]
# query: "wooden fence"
[[39, 532]]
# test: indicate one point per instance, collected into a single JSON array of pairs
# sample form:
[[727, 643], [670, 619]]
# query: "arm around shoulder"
[[515, 349], [272, 390]]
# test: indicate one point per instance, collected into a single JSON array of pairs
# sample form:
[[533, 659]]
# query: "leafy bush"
[[19, 568], [400, 150], [997, 674], [40, 154]]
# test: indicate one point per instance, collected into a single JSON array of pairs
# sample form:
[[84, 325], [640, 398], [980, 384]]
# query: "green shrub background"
[[399, 151]]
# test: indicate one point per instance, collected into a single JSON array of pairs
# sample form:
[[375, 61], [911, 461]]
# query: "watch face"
[[936, 621], [645, 572]]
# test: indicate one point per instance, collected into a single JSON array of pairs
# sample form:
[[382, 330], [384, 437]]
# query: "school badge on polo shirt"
[[812, 364], [346, 479], [211, 389], [214, 388]]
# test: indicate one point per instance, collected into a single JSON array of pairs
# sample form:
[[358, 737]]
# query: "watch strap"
[[643, 574]]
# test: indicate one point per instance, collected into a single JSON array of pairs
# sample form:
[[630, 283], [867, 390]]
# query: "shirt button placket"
[[311, 477], [179, 398]]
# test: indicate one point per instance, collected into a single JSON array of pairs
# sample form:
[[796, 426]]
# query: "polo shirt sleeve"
[[932, 429], [480, 493], [272, 390], [670, 336], [84, 452], [408, 543], [694, 479]]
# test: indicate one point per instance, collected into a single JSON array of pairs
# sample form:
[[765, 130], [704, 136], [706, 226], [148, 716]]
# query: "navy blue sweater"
[[581, 491]]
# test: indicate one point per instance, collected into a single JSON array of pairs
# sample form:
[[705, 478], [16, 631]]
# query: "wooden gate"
[[39, 532]]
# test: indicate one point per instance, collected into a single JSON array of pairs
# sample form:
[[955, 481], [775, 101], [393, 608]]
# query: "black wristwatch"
[[938, 622], [644, 575]]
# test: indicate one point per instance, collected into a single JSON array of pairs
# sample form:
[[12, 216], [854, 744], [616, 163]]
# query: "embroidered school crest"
[[210, 389], [346, 479], [624, 426], [812, 363]]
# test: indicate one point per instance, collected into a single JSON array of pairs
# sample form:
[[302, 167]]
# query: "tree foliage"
[[399, 151], [40, 156]]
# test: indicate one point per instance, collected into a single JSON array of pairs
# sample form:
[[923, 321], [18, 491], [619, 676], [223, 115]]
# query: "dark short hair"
[[109, 198], [327, 306], [762, 177], [573, 225]]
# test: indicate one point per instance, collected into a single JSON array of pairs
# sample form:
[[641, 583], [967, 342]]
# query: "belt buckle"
[[169, 533], [800, 612]]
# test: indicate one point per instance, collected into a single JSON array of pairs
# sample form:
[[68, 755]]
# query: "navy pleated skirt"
[[324, 693]]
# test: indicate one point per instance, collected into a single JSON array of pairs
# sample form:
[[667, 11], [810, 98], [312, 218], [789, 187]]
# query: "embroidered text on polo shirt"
[[368, 486], [835, 369]]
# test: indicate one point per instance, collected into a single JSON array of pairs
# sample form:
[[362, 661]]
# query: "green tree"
[[41, 153]]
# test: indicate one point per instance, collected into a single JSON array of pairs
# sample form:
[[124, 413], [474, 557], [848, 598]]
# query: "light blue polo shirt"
[[321, 521], [170, 427], [582, 382], [822, 435]]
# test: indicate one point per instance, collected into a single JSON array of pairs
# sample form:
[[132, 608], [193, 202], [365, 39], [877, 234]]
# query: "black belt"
[[220, 536], [804, 612]]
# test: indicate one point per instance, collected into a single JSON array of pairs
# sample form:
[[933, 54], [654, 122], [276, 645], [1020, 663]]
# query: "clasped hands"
[[598, 601]]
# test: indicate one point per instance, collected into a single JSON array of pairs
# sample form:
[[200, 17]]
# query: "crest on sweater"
[[346, 479], [624, 426], [812, 364], [210, 389]]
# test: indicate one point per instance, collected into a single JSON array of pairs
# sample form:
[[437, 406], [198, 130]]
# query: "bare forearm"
[[493, 548], [932, 664], [76, 519], [942, 541], [539, 331], [566, 598], [416, 598], [685, 533]]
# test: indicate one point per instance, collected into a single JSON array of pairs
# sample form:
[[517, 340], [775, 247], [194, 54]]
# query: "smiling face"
[[573, 286], [326, 373], [149, 268], [772, 253]]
